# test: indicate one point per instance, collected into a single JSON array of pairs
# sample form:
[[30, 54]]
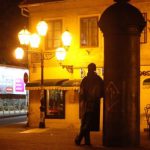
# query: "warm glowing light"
[[66, 38], [24, 36], [60, 53], [19, 53], [35, 40], [42, 28]]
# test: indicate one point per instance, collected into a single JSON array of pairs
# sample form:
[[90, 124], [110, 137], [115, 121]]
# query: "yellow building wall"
[[144, 94], [144, 7], [70, 12]]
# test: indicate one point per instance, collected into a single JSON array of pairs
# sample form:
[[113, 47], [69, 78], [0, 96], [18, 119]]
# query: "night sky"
[[11, 22]]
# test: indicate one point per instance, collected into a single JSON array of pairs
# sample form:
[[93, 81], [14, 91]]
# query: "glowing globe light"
[[24, 37], [66, 38], [35, 40], [42, 28], [19, 53], [60, 54]]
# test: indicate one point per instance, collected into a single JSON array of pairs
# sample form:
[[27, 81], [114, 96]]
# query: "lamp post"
[[42, 28], [33, 40]]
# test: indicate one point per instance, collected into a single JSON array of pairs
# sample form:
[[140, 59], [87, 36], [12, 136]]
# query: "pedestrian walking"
[[91, 90]]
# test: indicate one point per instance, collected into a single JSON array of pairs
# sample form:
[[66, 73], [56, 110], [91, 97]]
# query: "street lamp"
[[19, 52], [61, 51], [33, 40], [60, 55], [24, 37], [42, 28], [66, 39]]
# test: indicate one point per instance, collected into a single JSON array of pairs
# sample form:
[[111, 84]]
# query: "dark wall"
[[11, 22]]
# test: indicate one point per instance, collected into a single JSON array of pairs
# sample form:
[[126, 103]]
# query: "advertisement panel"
[[12, 80]]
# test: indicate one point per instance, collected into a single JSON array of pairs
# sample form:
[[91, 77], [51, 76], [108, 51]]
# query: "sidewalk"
[[18, 137]]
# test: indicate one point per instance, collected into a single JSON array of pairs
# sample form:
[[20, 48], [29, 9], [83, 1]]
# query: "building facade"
[[62, 79]]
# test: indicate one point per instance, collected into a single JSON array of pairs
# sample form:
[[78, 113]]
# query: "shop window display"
[[11, 107], [55, 104]]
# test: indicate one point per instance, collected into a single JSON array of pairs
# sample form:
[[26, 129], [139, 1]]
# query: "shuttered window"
[[89, 32], [53, 39]]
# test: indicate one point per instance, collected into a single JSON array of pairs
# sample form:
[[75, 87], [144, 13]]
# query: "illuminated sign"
[[19, 85], [12, 80]]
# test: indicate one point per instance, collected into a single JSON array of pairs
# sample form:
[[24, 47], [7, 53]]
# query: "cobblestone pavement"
[[18, 137]]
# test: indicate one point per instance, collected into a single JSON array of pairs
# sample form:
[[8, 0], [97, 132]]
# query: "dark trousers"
[[85, 127]]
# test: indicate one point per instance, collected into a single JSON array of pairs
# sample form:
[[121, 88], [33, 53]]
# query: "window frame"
[[143, 37], [52, 39], [88, 30]]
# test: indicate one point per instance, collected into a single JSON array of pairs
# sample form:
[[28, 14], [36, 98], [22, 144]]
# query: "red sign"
[[25, 78], [9, 90]]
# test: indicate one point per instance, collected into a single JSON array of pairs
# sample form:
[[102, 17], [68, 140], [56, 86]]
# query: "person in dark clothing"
[[91, 90]]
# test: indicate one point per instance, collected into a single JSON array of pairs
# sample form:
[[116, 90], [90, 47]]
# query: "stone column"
[[121, 24]]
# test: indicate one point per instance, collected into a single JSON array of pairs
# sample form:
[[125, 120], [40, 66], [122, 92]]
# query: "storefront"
[[60, 95], [13, 96], [62, 103]]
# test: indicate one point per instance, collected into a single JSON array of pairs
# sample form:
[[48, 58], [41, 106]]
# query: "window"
[[12, 104], [143, 38], [53, 39], [89, 32], [55, 104]]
